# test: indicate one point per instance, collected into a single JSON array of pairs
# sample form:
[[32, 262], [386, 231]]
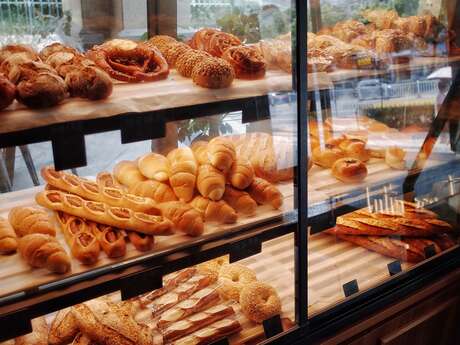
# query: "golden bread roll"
[[184, 217], [210, 182], [395, 158], [241, 173], [184, 169], [29, 220], [200, 150], [8, 239], [214, 211], [157, 191], [264, 192], [154, 166], [222, 153], [326, 158], [44, 251], [127, 173], [240, 201], [349, 170], [355, 148]]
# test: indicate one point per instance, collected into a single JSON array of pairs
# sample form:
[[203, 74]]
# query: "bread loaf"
[[8, 240], [30, 220], [210, 182], [63, 328], [184, 170], [157, 191], [154, 166], [240, 201], [214, 211], [184, 217], [127, 173], [221, 153], [265, 193]]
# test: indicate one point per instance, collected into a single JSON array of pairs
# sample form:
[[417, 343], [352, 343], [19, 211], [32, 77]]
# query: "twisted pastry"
[[246, 61], [201, 38], [219, 42]]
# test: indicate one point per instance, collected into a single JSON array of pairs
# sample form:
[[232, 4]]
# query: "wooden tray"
[[16, 275]]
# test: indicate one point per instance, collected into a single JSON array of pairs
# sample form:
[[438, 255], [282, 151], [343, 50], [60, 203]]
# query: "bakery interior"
[[229, 172]]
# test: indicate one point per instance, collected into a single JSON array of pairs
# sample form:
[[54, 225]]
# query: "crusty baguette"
[[213, 332], [184, 217], [90, 190], [30, 220], [221, 153], [127, 173], [184, 168], [141, 242], [241, 173], [154, 166], [240, 201], [99, 212], [63, 328], [214, 211], [110, 239], [8, 240], [264, 192], [44, 251], [200, 150], [157, 191], [39, 335], [210, 182]]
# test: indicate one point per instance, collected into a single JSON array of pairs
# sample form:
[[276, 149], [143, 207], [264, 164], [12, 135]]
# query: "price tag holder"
[[256, 109], [430, 251], [136, 284], [394, 267], [245, 248], [350, 288], [272, 326]]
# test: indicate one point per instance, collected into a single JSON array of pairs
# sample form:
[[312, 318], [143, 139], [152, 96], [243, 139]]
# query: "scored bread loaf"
[[99, 212], [221, 153], [240, 201], [241, 173], [184, 217], [157, 191], [210, 182], [8, 240], [200, 150], [44, 251], [29, 220], [264, 192], [63, 328], [38, 336], [154, 166], [127, 173], [214, 211], [184, 170]]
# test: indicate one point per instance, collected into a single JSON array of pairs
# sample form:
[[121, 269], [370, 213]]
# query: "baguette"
[[127, 173], [214, 211], [241, 173], [39, 335], [82, 242], [63, 328], [184, 217], [141, 242], [8, 240], [110, 239], [44, 251], [221, 153], [92, 191], [210, 182], [184, 169], [200, 150], [154, 166], [211, 333], [263, 192], [30, 220], [157, 191], [240, 201], [99, 212]]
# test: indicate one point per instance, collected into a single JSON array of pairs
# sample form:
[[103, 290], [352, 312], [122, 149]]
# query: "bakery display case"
[[383, 152], [150, 171]]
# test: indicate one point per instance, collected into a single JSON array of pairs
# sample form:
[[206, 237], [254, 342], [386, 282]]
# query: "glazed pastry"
[[241, 173], [44, 251], [221, 153], [184, 169], [8, 240], [127, 173], [240, 201], [264, 192], [99, 212], [200, 150], [246, 61], [29, 220], [7, 92], [110, 239], [349, 170], [188, 60], [327, 157], [210, 182], [157, 191], [219, 42], [154, 166], [184, 217], [214, 211], [201, 38], [63, 328], [213, 73], [141, 242], [259, 301], [395, 158], [39, 335], [232, 279]]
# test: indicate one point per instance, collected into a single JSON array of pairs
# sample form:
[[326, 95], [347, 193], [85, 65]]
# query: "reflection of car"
[[373, 89]]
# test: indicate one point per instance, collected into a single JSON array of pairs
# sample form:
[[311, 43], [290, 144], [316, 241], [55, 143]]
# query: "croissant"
[[127, 173], [29, 220], [241, 173], [264, 192], [184, 169], [154, 166], [157, 191], [214, 211], [222, 153], [200, 150], [110, 239], [8, 240], [240, 201], [184, 217], [210, 182], [44, 251]]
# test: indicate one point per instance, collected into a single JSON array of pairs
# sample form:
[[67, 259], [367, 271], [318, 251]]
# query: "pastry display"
[[30, 220], [8, 239]]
